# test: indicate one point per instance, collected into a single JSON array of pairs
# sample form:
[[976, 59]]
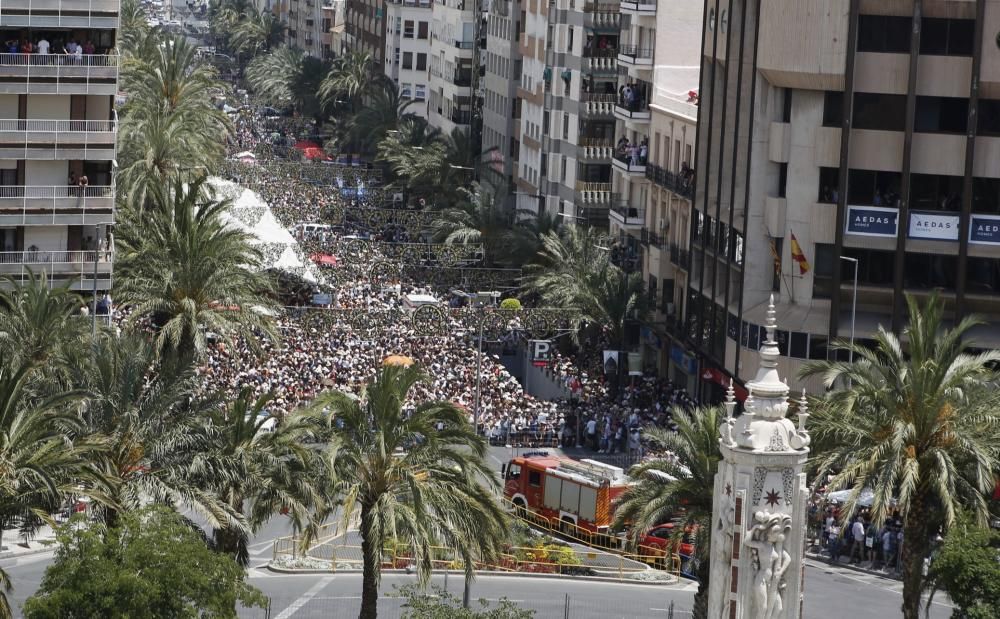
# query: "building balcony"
[[56, 205], [61, 266], [461, 117], [681, 258], [595, 149], [594, 194], [627, 217], [670, 181], [635, 112], [652, 239], [95, 74], [83, 14], [630, 166], [57, 139], [640, 8], [635, 56], [465, 44], [598, 105], [604, 20]]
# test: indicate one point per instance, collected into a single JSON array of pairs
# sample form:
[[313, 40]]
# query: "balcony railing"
[[59, 60], [639, 6], [463, 78], [629, 215], [634, 54], [594, 193], [669, 180], [37, 125], [36, 256], [60, 204], [634, 109], [680, 257], [652, 239], [634, 164], [464, 44], [596, 148]]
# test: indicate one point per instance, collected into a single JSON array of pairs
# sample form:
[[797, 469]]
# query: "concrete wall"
[[803, 43], [46, 238], [49, 107], [8, 107], [46, 173]]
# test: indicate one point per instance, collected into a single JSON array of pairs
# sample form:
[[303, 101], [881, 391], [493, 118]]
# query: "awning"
[[326, 260]]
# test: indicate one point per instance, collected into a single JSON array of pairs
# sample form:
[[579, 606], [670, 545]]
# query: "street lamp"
[[854, 302]]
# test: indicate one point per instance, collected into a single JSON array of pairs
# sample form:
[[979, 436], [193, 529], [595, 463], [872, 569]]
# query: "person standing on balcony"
[[88, 48], [43, 49]]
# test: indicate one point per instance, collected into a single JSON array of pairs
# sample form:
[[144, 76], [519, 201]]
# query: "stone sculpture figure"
[[770, 563]]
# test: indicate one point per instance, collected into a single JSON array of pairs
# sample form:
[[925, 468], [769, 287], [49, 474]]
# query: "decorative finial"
[[803, 411], [772, 324], [749, 405], [727, 433]]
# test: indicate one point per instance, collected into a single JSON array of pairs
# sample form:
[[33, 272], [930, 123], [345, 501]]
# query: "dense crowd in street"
[[317, 350]]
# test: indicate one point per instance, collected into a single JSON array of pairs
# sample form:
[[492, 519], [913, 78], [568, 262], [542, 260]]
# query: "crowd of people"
[[319, 350]]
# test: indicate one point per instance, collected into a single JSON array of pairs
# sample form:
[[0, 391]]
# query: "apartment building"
[[652, 167], [567, 88], [408, 48], [837, 135], [304, 20], [454, 64], [365, 28], [501, 107], [57, 140]]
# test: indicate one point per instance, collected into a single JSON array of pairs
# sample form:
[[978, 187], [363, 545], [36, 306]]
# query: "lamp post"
[[854, 302]]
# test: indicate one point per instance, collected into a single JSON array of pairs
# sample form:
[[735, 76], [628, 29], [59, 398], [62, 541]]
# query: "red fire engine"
[[579, 492]]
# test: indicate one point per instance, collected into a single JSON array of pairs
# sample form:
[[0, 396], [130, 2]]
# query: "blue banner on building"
[[872, 221], [687, 363], [984, 229]]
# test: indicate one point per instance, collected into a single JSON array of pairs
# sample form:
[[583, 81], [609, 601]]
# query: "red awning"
[[719, 377], [324, 259]]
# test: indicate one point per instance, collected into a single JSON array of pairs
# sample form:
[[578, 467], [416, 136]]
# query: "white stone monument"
[[759, 510]]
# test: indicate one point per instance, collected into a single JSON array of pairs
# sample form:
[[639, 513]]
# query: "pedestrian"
[[857, 541]]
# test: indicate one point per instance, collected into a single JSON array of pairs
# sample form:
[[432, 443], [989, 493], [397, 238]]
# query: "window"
[[776, 278], [513, 471], [565, 125], [545, 122], [983, 275], [823, 271], [879, 112], [786, 107], [535, 479], [928, 271], [946, 37], [569, 40], [833, 108], [544, 168], [408, 29], [875, 267], [884, 33], [989, 117], [782, 179], [941, 115], [829, 181], [817, 347], [422, 30], [420, 92], [407, 60], [933, 192], [396, 56], [562, 172], [405, 90], [870, 188], [421, 62]]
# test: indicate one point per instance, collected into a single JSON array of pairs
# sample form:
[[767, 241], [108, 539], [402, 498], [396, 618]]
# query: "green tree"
[[418, 477], [279, 472], [183, 267], [353, 76], [918, 423], [133, 27], [38, 321], [287, 76], [574, 271], [169, 127], [967, 567], [382, 113], [479, 219], [681, 488], [256, 31], [152, 564], [439, 604], [154, 431]]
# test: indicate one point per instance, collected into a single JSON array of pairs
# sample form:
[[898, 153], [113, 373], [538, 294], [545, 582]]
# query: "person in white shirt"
[[858, 540], [43, 46], [592, 433]]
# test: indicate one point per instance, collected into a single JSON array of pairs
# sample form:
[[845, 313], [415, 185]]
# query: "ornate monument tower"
[[758, 516]]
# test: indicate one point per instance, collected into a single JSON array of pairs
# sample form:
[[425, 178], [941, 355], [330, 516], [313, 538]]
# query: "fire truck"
[[568, 491]]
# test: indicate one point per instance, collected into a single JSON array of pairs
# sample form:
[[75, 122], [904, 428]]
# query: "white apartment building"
[[567, 90], [408, 50], [57, 141], [453, 41], [657, 125], [501, 108], [304, 21]]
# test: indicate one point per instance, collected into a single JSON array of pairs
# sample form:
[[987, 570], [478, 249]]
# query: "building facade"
[[408, 49], [567, 89], [58, 128], [304, 20], [365, 28], [501, 108], [454, 64], [837, 135]]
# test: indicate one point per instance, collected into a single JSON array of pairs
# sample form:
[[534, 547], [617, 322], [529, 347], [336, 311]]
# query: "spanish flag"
[[799, 257]]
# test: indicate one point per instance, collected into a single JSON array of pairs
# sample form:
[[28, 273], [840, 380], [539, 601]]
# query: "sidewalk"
[[864, 567], [14, 545]]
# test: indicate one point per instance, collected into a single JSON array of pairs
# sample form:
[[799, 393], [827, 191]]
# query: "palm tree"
[[383, 112], [286, 75], [529, 233], [917, 423], [133, 26], [419, 477], [256, 31], [481, 218], [38, 322], [679, 489], [282, 474], [574, 271], [169, 125], [352, 76], [154, 430], [183, 267]]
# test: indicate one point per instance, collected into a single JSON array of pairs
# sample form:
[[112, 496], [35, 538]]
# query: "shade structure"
[[400, 360], [325, 260]]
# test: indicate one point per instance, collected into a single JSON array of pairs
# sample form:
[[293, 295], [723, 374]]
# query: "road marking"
[[872, 580], [303, 599]]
